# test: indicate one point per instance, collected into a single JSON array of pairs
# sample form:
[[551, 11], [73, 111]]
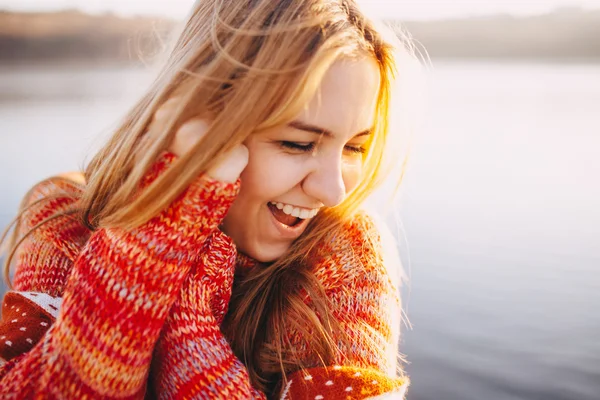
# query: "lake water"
[[500, 211]]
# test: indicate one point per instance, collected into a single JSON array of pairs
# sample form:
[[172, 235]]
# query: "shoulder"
[[59, 184], [58, 190], [51, 202], [48, 234]]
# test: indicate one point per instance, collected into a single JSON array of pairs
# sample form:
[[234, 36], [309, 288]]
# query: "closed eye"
[[302, 147], [309, 147], [355, 149]]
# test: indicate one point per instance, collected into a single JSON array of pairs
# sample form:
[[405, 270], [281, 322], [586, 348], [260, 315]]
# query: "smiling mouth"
[[282, 217]]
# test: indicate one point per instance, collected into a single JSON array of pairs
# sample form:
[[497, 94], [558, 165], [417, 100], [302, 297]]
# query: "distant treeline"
[[566, 34], [72, 36]]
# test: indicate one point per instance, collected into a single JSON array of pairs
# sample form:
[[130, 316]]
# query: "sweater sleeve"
[[364, 299], [192, 358], [116, 300], [358, 279], [363, 294]]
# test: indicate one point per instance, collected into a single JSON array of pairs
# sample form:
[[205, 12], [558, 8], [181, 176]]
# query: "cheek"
[[351, 174], [269, 176]]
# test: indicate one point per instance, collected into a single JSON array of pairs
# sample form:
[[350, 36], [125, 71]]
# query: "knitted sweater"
[[134, 314]]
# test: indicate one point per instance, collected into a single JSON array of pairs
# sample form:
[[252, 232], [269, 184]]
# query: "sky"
[[402, 9]]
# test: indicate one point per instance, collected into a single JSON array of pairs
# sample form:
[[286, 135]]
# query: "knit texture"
[[141, 310], [362, 297]]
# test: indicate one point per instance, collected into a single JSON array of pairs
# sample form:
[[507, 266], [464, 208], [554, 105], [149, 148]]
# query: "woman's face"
[[313, 162]]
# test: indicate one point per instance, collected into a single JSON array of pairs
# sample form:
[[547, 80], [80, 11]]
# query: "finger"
[[230, 169], [162, 115], [166, 109], [188, 135]]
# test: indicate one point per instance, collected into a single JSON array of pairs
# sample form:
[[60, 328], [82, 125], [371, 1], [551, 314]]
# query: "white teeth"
[[297, 212]]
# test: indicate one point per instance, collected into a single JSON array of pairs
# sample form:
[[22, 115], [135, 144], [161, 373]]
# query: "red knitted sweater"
[[137, 314]]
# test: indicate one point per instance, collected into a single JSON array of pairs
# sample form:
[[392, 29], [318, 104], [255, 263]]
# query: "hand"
[[191, 339], [215, 272], [232, 165], [206, 290]]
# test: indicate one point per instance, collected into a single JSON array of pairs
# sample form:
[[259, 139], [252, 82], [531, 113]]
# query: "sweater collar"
[[245, 262]]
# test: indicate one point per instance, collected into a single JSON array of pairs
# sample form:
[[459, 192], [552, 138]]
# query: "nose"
[[325, 181]]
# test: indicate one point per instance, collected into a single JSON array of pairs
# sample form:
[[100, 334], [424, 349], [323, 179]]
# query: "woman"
[[251, 153]]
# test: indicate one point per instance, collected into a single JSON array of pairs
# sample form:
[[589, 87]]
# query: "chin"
[[264, 254]]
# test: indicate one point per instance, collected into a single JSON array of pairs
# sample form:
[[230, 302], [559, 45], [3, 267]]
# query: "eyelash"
[[307, 148]]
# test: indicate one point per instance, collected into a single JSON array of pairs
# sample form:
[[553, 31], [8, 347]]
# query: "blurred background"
[[500, 205]]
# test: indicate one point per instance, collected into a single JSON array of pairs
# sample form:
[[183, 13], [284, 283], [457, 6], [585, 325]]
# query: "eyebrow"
[[321, 131]]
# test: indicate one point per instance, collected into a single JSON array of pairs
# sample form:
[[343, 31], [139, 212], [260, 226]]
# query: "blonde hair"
[[248, 66]]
